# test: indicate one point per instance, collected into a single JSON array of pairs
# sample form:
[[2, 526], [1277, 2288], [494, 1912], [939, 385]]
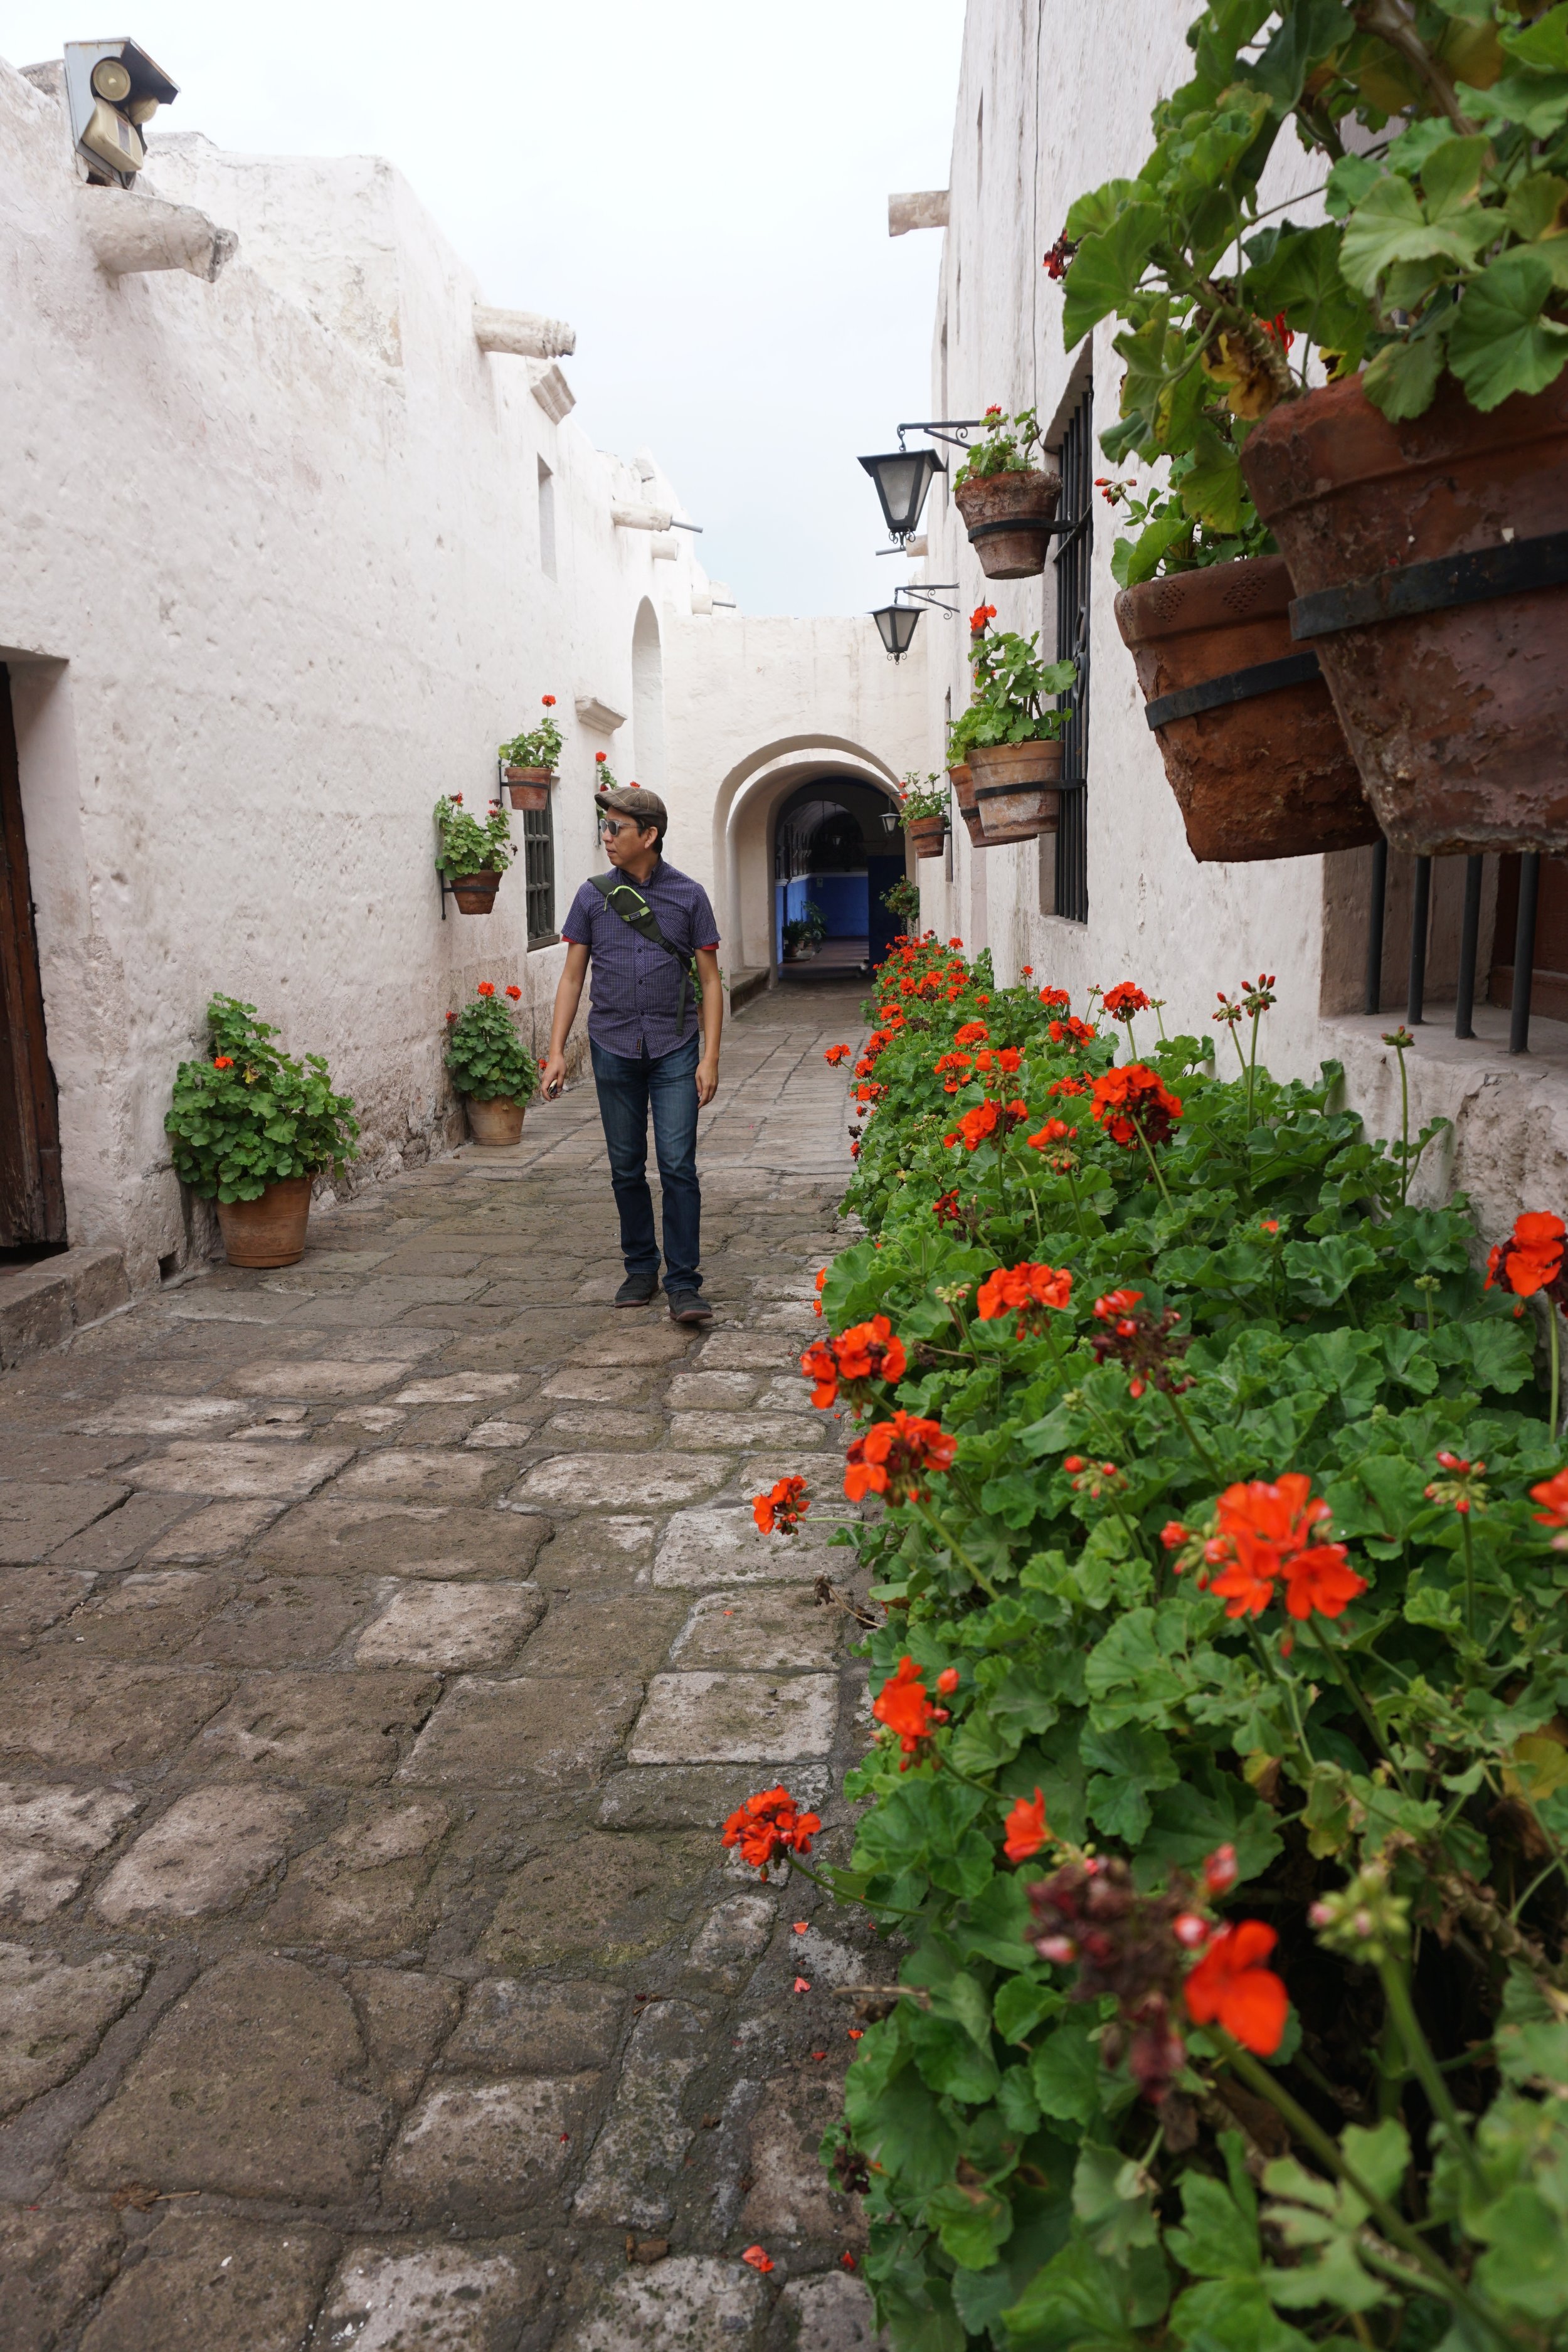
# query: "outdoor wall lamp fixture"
[[896, 622], [113, 90], [904, 475]]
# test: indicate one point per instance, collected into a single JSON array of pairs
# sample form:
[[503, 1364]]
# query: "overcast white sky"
[[698, 185]]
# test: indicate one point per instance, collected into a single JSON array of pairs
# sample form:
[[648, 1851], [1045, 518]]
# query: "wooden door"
[[32, 1198]]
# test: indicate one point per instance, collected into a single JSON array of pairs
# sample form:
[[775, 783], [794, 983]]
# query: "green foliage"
[[1447, 245], [1005, 447], [250, 1116], [466, 845], [485, 1059], [1011, 688], [536, 747], [1394, 1780], [920, 798]]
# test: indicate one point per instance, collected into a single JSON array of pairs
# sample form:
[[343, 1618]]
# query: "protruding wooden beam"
[[927, 209], [525, 334]]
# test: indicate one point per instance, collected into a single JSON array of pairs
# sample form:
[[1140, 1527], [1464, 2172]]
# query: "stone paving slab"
[[382, 1643]]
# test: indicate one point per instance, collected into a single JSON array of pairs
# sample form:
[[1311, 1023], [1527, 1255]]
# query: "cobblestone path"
[[373, 1975]]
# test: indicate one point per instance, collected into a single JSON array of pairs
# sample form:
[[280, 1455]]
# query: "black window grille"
[[1074, 549], [539, 872]]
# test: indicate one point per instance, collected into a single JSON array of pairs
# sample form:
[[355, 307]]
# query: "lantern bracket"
[[954, 430]]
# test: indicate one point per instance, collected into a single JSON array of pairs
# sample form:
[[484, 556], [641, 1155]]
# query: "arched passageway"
[[648, 700], [772, 788], [835, 859]]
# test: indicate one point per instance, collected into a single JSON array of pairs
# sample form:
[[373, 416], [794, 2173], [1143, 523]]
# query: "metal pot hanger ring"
[[1408, 590]]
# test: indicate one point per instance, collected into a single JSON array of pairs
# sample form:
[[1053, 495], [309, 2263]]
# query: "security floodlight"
[[113, 90], [902, 477], [896, 627]]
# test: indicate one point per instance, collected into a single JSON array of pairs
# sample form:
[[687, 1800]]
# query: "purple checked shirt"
[[636, 986]]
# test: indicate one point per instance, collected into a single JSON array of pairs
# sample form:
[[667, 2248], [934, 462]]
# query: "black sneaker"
[[637, 1290], [690, 1307]]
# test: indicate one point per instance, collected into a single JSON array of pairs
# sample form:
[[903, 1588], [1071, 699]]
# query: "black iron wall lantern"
[[896, 622], [896, 626], [902, 477]]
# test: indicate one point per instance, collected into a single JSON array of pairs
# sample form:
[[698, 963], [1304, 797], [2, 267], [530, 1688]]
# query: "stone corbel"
[[130, 232], [664, 546], [592, 712], [635, 518], [550, 389], [525, 334]]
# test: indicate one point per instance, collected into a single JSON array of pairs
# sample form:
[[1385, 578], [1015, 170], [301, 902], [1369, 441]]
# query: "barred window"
[[539, 872]]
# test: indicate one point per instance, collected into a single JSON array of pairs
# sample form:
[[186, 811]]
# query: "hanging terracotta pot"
[[495, 1121], [1007, 516], [1253, 748], [963, 781], [928, 834], [1429, 558], [1017, 790], [528, 788], [269, 1231], [476, 893]]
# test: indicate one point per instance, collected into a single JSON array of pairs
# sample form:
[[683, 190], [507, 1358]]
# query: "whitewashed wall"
[[269, 581]]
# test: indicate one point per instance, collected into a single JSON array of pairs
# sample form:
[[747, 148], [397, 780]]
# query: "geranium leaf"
[[1501, 343]]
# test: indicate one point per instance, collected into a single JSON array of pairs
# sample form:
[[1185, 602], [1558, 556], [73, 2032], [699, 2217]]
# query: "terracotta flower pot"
[[1017, 790], [528, 788], [962, 779], [1007, 516], [1430, 565], [495, 1121], [1253, 747], [475, 893], [270, 1231], [928, 834]]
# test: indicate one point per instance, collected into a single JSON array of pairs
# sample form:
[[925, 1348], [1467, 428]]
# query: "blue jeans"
[[627, 1091]]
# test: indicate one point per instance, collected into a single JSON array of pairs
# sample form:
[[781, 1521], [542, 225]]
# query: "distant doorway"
[[832, 863], [32, 1196]]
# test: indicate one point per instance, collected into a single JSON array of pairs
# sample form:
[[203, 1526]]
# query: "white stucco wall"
[[269, 582]]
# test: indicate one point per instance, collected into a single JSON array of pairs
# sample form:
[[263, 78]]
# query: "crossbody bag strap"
[[639, 916]]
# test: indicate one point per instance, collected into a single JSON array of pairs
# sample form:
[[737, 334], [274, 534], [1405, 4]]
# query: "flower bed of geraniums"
[[1220, 1796], [490, 1064]]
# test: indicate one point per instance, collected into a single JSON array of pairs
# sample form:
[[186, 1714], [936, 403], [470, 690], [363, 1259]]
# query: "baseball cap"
[[635, 801]]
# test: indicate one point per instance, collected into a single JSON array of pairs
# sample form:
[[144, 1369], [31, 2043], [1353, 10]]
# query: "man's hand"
[[707, 1079], [553, 1077]]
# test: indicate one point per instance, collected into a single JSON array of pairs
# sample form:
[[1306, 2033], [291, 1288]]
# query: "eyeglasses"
[[608, 828]]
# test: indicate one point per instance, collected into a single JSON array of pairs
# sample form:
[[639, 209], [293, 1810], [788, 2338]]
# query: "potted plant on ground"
[[923, 813], [803, 933], [472, 856], [1006, 500], [1420, 511], [1009, 738], [250, 1129], [527, 762], [490, 1064]]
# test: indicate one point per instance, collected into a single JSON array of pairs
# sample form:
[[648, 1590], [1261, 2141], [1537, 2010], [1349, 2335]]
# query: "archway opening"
[[834, 862], [647, 699]]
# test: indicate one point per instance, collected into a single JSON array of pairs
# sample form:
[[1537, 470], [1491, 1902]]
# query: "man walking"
[[653, 1033]]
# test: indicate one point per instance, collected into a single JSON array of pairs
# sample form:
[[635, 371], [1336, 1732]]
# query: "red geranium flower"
[[1553, 1494], [782, 1509], [1055, 996], [977, 620], [973, 1033], [1133, 1100], [1071, 1032], [515, 993], [1320, 1578], [225, 1061], [485, 988], [836, 1054], [818, 1365], [1531, 1258], [1022, 1289], [1027, 1828], [1124, 1000], [768, 1825], [869, 1351], [758, 2258], [1229, 1984], [947, 1213], [1067, 1086], [893, 1456], [548, 701], [903, 1706]]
